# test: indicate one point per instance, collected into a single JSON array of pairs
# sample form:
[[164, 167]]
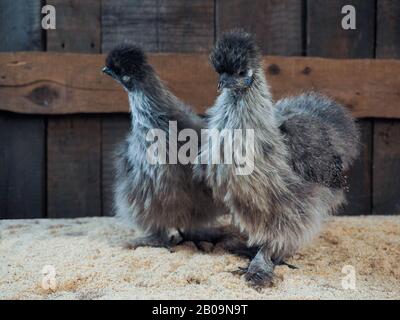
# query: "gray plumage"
[[157, 198], [302, 147]]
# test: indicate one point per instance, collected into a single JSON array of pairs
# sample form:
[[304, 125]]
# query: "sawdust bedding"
[[90, 261]]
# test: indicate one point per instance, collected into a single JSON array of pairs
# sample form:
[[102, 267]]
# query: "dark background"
[[60, 166]]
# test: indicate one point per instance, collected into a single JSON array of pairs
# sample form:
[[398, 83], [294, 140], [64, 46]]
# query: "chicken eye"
[[242, 73]]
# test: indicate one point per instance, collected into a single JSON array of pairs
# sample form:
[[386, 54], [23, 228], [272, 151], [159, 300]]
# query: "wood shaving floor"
[[91, 261]]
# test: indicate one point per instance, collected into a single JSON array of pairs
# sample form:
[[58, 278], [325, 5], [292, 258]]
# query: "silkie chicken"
[[302, 146], [160, 199]]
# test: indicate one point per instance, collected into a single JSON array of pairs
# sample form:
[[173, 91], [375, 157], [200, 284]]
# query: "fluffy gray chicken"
[[302, 146], [159, 199]]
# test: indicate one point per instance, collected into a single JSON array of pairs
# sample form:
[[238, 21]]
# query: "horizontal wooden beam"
[[65, 83]]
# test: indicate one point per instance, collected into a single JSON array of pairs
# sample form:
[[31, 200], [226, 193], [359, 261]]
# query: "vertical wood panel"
[[326, 38], [388, 29], [114, 130], [22, 161], [276, 23], [22, 138], [74, 142], [20, 25], [359, 197], [386, 158], [73, 167], [159, 25], [78, 26], [386, 168]]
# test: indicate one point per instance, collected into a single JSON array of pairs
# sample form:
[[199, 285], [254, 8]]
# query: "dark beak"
[[220, 86], [224, 82], [108, 71]]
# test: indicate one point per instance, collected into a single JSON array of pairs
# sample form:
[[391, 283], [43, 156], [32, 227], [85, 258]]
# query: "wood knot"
[[306, 71], [274, 69], [43, 95]]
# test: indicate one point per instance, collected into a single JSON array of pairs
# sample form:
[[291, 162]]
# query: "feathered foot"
[[260, 272]]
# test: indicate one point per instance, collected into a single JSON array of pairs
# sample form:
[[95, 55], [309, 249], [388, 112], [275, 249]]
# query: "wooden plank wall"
[[278, 24], [61, 166], [46, 82], [386, 133], [22, 137], [326, 38], [74, 142]]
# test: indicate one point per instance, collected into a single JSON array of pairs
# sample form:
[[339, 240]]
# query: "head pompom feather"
[[234, 52], [126, 60]]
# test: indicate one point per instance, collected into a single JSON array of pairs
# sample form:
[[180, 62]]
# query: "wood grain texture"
[[115, 127], [327, 38], [22, 159], [386, 155], [20, 25], [74, 143], [277, 24], [78, 26], [359, 197], [22, 138], [49, 83], [386, 168], [159, 25], [73, 178], [388, 29]]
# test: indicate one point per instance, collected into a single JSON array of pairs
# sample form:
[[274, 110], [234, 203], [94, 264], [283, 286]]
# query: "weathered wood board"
[[115, 127], [327, 38], [277, 24], [78, 26], [22, 163], [74, 142], [54, 83], [386, 153], [20, 25], [22, 137], [73, 167], [386, 167], [159, 25]]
